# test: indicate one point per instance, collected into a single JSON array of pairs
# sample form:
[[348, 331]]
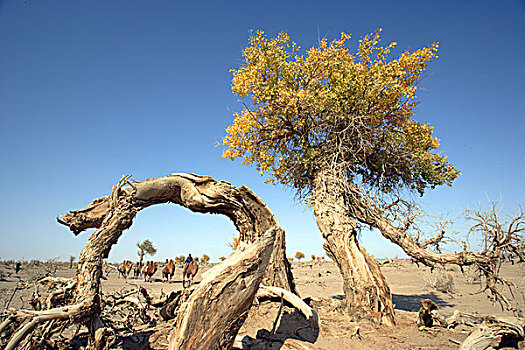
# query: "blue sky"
[[93, 90]]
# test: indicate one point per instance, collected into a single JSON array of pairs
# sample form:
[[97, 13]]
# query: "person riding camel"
[[188, 260]]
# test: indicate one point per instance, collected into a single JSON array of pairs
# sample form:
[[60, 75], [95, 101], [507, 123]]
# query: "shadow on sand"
[[412, 302], [292, 325]]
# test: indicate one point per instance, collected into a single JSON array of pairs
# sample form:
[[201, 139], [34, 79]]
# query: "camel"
[[189, 273], [149, 270], [125, 268], [169, 270], [137, 271]]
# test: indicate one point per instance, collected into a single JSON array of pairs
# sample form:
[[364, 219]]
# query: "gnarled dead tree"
[[200, 194], [113, 214]]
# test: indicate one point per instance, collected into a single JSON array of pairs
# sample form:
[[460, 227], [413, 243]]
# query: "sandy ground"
[[409, 285]]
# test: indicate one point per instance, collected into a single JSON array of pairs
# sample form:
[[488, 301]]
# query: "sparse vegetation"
[[299, 256], [205, 258], [443, 282]]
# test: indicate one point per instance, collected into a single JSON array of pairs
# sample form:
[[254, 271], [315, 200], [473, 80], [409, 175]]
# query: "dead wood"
[[247, 342], [51, 281], [309, 313], [171, 308], [456, 319], [215, 311], [60, 295], [37, 317], [113, 214], [502, 239], [200, 194], [495, 333]]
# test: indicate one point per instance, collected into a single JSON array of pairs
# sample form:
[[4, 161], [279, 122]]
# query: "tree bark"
[[113, 214], [210, 319], [495, 333], [203, 194], [367, 295]]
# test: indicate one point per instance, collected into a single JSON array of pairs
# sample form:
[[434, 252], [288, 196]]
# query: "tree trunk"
[[367, 295], [278, 273], [113, 214], [212, 316]]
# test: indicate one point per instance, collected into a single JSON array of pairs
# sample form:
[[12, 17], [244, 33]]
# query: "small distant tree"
[[205, 258], [290, 259], [234, 244], [71, 260], [299, 256], [146, 247], [222, 258], [313, 257], [196, 259]]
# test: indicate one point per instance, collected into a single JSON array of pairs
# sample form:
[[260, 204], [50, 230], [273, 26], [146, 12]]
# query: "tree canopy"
[[328, 108], [146, 247]]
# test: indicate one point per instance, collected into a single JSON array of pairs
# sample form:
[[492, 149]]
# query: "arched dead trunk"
[[113, 214], [198, 193]]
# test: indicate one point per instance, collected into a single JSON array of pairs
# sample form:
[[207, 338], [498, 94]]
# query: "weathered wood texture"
[[295, 344], [113, 214], [495, 333], [198, 193], [424, 316], [367, 294], [210, 319], [276, 292]]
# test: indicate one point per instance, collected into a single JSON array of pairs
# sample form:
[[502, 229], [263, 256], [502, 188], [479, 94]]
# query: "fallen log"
[[495, 333], [217, 308], [298, 303], [66, 312], [456, 319], [113, 214]]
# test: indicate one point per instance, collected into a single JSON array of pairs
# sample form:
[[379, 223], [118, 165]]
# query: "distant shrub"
[[443, 283]]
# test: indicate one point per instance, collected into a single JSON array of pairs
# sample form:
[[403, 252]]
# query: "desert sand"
[[321, 282]]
